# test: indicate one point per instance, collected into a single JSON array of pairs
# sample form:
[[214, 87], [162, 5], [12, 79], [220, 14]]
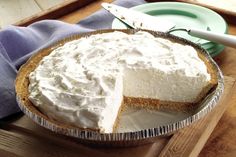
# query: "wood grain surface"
[[222, 142], [55, 12], [14, 10], [223, 7], [46, 4], [80, 14]]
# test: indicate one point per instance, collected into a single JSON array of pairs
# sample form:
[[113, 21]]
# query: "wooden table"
[[12, 11], [222, 141]]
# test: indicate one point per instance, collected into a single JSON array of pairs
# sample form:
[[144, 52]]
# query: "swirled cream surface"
[[83, 82]]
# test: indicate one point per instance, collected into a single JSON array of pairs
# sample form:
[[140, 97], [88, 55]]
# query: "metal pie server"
[[139, 20]]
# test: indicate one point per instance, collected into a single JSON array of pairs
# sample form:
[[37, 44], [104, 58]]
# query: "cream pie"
[[84, 82]]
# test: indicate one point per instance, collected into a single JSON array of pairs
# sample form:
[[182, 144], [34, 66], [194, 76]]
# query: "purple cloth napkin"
[[17, 44]]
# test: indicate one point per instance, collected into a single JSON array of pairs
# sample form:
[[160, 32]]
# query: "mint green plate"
[[185, 15]]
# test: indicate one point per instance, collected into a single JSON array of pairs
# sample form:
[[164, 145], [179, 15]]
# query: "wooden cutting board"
[[19, 136]]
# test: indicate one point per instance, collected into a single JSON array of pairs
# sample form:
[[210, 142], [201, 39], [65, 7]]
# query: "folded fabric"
[[17, 44]]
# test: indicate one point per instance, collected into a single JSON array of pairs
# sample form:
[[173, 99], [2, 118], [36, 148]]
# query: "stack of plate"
[[186, 15]]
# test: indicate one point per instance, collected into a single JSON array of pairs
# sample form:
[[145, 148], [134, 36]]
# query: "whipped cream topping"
[[83, 82]]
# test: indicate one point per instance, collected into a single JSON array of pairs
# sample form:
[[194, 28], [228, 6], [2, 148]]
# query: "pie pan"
[[132, 130]]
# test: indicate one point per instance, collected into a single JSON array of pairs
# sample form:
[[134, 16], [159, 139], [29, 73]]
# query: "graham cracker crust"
[[155, 104]]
